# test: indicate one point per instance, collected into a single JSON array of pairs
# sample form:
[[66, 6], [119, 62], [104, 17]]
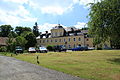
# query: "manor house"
[[69, 37]]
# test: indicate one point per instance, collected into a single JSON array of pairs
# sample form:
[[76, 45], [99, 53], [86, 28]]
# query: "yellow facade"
[[72, 41], [59, 36]]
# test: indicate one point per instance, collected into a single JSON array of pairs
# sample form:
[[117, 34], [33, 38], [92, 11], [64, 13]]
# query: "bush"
[[50, 48], [3, 49], [99, 48]]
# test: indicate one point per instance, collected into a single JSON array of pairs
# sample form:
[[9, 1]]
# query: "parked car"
[[79, 48], [32, 50], [43, 50], [91, 48], [59, 48], [18, 49]]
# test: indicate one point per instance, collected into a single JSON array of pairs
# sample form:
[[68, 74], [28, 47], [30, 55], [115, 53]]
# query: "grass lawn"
[[93, 65]]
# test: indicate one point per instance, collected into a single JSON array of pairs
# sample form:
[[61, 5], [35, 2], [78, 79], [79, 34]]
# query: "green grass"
[[93, 65]]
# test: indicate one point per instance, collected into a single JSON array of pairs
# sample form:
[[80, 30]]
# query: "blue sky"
[[47, 13]]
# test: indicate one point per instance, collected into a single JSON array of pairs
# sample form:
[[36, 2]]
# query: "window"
[[79, 39], [74, 46], [69, 39], [40, 41], [74, 39], [55, 40], [87, 44], [64, 40], [59, 40], [60, 33], [43, 41], [51, 40], [47, 40], [69, 46], [55, 34]]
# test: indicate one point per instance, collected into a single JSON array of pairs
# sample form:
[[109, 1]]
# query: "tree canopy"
[[104, 23], [20, 29], [5, 30], [31, 40]]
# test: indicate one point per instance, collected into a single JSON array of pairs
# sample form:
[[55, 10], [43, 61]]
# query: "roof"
[[67, 29], [3, 41], [58, 27]]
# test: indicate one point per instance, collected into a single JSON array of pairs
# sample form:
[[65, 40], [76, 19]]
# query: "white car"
[[43, 49], [32, 50]]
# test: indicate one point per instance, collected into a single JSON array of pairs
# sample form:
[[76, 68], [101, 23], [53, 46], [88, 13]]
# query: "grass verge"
[[93, 65]]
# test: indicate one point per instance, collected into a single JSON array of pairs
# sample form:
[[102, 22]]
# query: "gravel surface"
[[13, 69]]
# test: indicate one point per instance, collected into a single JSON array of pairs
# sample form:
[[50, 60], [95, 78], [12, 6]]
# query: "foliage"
[[3, 49], [20, 29], [36, 30], [105, 21], [5, 30], [50, 48], [10, 43], [21, 41], [31, 40], [14, 34]]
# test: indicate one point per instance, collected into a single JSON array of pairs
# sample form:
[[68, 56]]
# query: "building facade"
[[69, 37]]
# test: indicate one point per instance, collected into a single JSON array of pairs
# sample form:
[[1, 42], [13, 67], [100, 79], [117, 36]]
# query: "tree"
[[5, 30], [36, 30], [31, 40], [20, 29], [10, 43], [104, 21], [21, 41]]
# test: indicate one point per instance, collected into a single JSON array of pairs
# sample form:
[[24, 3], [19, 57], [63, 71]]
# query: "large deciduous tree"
[[20, 29], [21, 41], [5, 30], [10, 43], [31, 40], [104, 22]]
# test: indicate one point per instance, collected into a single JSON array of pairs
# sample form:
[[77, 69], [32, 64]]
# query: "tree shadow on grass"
[[115, 60]]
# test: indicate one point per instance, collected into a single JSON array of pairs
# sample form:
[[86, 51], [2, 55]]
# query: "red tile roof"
[[3, 41]]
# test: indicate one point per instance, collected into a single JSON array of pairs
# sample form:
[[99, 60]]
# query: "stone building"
[[69, 37]]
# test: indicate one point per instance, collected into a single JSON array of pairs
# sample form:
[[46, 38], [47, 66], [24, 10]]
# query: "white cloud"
[[57, 7], [80, 25], [85, 2], [53, 7], [15, 14], [17, 1], [54, 10], [47, 26]]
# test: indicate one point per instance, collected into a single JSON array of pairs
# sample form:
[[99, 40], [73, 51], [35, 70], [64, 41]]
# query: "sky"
[[47, 13]]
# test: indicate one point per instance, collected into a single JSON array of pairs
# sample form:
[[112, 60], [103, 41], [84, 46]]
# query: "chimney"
[[46, 32]]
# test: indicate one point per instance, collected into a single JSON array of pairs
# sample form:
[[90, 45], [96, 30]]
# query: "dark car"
[[59, 48], [18, 49], [79, 48]]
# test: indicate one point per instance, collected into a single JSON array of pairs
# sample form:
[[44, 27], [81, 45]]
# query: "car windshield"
[[32, 48], [42, 48], [18, 47]]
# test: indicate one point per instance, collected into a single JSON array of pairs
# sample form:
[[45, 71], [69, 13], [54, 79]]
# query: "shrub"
[[3, 49], [50, 48]]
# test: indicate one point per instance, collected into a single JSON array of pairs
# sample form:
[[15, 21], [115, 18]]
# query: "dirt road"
[[13, 69]]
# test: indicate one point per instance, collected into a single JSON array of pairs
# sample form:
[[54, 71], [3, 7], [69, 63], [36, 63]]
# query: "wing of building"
[[3, 41], [69, 37]]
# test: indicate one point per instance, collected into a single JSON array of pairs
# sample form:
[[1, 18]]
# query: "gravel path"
[[13, 69]]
